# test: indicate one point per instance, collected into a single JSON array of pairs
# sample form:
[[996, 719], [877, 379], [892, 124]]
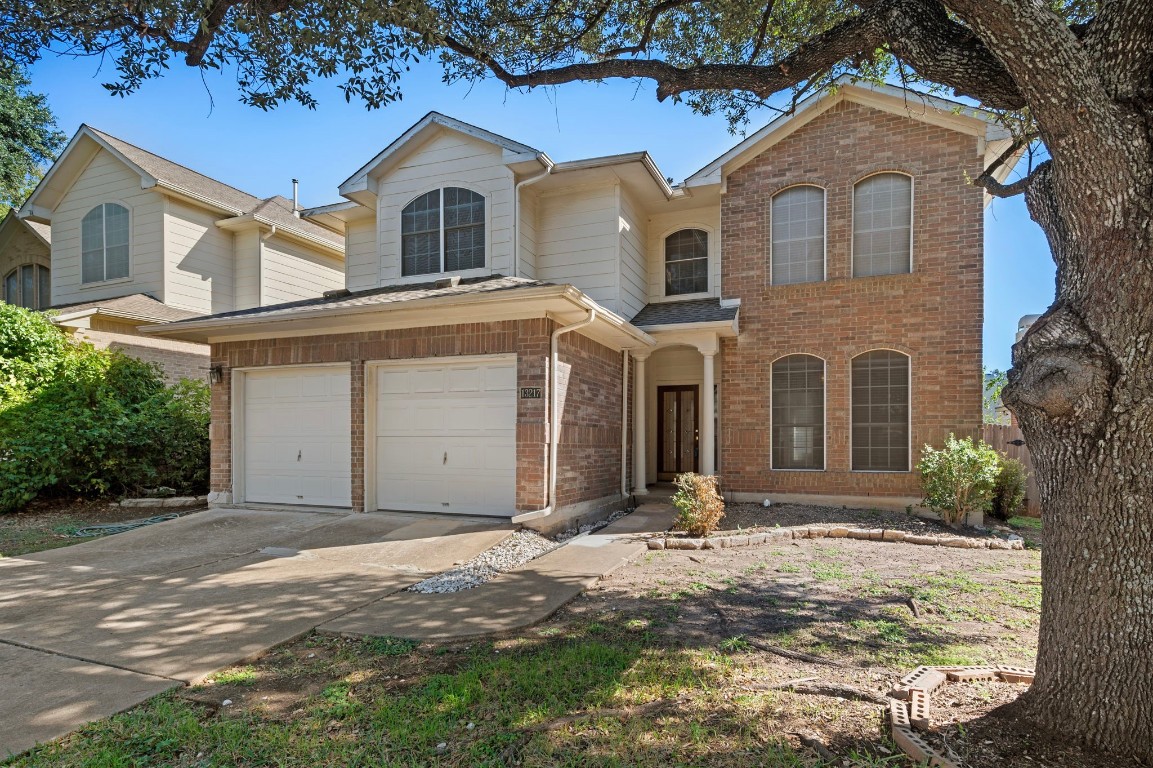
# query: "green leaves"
[[958, 478], [28, 136]]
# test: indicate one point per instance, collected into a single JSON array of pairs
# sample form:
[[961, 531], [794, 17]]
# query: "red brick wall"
[[589, 455], [933, 314], [585, 473]]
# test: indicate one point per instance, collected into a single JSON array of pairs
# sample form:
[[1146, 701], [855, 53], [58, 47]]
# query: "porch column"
[[708, 417], [640, 453]]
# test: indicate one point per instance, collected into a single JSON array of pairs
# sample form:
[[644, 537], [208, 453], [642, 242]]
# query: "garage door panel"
[[463, 412], [297, 442]]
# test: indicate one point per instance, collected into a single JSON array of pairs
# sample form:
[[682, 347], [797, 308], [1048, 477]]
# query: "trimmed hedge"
[[88, 421]]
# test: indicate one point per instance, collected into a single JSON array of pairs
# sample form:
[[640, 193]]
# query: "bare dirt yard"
[[757, 656], [51, 523]]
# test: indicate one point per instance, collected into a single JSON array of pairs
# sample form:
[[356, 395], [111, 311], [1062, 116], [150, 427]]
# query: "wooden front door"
[[676, 430]]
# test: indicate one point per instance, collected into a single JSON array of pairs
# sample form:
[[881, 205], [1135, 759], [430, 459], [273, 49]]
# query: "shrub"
[[102, 423], [700, 506], [33, 351], [958, 479], [1008, 489]]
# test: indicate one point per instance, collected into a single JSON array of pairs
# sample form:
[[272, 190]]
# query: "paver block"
[[913, 745], [682, 544], [929, 541], [1015, 674], [969, 674], [924, 678], [838, 533], [899, 713], [758, 538], [893, 535], [875, 534], [858, 533], [957, 542], [901, 694], [656, 544], [739, 541], [818, 532], [999, 544], [710, 544], [919, 709]]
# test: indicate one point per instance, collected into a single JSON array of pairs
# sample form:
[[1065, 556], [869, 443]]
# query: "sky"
[[200, 123]]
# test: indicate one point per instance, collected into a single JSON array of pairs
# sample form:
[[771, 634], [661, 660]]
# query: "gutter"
[[516, 211], [554, 418]]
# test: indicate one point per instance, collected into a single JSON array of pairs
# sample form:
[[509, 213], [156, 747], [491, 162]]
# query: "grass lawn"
[[679, 659], [50, 524]]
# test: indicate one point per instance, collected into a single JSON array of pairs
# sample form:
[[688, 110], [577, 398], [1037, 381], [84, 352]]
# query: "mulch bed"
[[746, 517]]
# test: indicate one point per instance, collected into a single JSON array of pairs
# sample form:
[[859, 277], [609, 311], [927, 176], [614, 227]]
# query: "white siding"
[[634, 242], [199, 260], [579, 241], [528, 234], [290, 272], [362, 260], [663, 225], [107, 180], [247, 247], [447, 160]]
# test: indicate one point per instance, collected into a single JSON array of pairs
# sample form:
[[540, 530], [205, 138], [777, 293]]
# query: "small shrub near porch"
[[958, 478], [700, 507]]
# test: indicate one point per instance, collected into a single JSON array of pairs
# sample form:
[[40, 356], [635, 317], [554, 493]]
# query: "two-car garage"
[[441, 435]]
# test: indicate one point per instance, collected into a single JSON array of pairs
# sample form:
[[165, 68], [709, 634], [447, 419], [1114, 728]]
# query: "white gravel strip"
[[513, 552]]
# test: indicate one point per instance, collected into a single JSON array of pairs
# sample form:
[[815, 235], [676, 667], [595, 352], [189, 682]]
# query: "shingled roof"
[[135, 305], [682, 312]]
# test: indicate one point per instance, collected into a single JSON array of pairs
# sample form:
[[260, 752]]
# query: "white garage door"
[[297, 443], [446, 436]]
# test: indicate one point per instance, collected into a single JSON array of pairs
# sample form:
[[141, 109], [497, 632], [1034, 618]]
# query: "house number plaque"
[[530, 393]]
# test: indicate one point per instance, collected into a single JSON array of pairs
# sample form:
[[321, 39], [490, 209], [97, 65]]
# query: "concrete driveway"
[[90, 630]]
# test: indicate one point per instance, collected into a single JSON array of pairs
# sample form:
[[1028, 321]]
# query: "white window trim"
[[824, 414], [909, 411], [712, 242], [853, 224], [464, 273], [80, 263], [824, 231]]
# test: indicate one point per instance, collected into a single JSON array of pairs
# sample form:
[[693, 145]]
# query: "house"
[[537, 339], [116, 238]]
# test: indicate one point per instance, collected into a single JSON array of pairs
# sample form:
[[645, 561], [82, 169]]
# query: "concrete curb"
[[821, 532]]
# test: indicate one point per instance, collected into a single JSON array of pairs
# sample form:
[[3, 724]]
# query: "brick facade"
[[933, 314], [589, 453], [178, 359]]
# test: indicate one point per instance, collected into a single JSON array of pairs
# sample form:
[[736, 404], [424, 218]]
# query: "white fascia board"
[[79, 319], [725, 328]]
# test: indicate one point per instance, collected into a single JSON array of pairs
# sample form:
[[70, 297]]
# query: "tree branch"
[[646, 36], [997, 189]]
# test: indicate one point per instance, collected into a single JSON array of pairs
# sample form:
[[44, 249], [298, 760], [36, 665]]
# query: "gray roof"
[[277, 209], [137, 304], [41, 230], [680, 312], [392, 294]]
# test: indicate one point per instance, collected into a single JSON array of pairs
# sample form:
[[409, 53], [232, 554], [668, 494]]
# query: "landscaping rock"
[[656, 543], [928, 541], [858, 533], [889, 535], [838, 533], [818, 532]]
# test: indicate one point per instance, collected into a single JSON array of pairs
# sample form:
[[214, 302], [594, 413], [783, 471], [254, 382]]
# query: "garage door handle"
[[299, 454], [445, 458]]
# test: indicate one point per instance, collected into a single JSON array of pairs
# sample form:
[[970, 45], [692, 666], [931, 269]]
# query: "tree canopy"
[[28, 136]]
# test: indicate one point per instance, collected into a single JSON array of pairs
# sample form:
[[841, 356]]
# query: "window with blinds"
[[880, 412], [798, 412], [104, 235], [442, 231], [798, 235], [687, 262], [882, 225]]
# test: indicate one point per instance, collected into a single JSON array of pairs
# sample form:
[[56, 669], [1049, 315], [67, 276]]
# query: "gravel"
[[513, 552]]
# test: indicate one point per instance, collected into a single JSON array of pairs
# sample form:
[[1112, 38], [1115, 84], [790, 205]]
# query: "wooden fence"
[[1002, 437]]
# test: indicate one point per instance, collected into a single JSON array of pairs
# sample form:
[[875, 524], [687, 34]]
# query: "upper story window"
[[798, 412], [687, 262], [882, 225], [798, 235], [28, 286], [104, 243], [880, 419], [442, 231]]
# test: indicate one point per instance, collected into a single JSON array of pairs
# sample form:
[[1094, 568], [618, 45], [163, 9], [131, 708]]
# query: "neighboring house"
[[25, 262], [534, 339], [121, 238]]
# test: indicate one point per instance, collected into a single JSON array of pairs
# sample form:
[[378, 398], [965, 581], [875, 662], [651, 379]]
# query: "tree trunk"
[[1082, 388]]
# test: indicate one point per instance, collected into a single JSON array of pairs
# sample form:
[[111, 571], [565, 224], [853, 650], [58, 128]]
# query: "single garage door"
[[297, 443], [446, 436]]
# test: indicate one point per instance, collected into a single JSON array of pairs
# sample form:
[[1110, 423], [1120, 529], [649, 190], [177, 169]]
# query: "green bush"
[[33, 351], [1008, 489], [700, 506], [958, 479], [101, 423]]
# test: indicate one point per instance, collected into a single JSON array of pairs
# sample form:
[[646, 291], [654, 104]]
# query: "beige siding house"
[[133, 239], [539, 340]]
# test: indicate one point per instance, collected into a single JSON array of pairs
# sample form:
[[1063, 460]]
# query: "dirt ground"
[[49, 524]]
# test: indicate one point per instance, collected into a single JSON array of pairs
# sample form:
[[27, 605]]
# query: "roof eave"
[[726, 328]]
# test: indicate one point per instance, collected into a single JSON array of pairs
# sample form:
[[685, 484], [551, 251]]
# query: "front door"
[[676, 430]]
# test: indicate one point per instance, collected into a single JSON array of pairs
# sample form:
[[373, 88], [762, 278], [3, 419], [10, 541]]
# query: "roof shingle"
[[681, 312], [136, 304]]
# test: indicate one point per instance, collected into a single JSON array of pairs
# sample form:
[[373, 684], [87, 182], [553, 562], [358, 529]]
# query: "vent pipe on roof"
[[296, 198]]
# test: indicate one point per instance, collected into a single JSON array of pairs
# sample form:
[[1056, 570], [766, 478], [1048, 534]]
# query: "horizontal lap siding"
[[578, 242], [933, 314], [665, 224], [201, 271], [362, 261], [633, 239], [291, 272]]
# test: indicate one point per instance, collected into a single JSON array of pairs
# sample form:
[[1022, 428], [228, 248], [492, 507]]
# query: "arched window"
[[442, 231], [687, 262], [882, 225], [104, 243], [798, 235], [881, 411], [28, 286], [798, 412]]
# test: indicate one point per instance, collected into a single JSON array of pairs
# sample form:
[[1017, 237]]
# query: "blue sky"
[[200, 123]]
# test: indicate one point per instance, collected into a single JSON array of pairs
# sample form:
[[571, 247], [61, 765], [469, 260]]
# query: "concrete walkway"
[[90, 630], [514, 600]]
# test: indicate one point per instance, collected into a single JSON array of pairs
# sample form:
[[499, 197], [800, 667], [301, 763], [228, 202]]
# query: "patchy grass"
[[1033, 523], [51, 524]]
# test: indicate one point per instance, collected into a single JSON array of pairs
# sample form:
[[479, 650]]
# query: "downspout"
[[554, 418], [624, 424], [516, 216]]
